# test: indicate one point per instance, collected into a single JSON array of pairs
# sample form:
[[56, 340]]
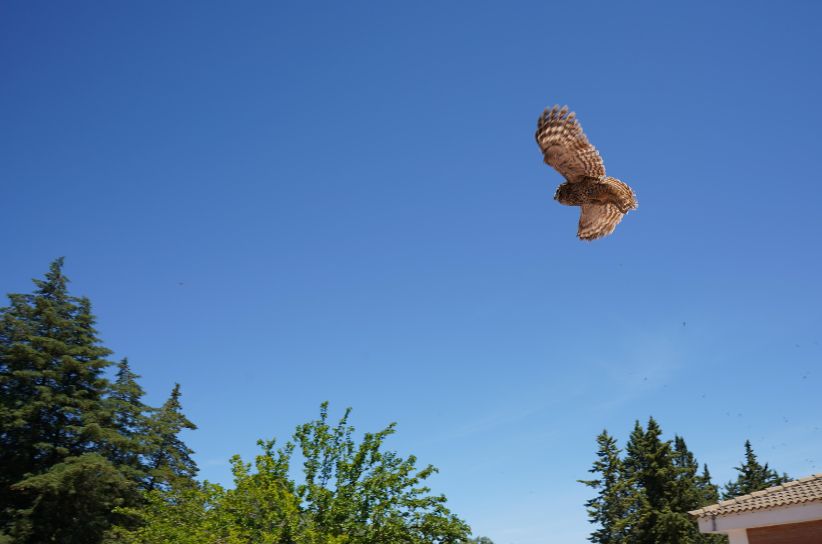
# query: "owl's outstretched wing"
[[598, 220], [565, 146]]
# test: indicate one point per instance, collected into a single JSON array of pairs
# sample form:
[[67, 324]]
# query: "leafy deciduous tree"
[[350, 493]]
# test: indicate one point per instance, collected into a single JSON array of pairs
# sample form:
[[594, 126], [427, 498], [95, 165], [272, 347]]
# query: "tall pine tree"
[[128, 440], [692, 489], [168, 459], [649, 468], [53, 417], [709, 490], [753, 476], [644, 498], [609, 509]]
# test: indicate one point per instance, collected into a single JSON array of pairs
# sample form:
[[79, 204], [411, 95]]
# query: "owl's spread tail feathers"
[[620, 194], [608, 205]]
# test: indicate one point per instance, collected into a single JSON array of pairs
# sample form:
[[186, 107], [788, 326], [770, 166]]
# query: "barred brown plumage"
[[603, 200]]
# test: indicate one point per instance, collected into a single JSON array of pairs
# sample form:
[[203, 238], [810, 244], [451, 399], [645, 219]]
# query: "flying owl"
[[603, 200]]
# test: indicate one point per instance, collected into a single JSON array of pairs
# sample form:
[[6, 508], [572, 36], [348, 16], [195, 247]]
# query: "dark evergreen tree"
[[168, 459], [692, 491], [649, 468], [687, 494], [752, 476], [73, 502], [127, 443], [52, 415], [708, 490], [646, 496], [609, 509]]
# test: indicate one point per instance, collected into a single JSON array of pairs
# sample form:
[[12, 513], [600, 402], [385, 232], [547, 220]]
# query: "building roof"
[[801, 491]]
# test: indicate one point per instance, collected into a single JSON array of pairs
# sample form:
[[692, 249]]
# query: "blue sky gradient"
[[281, 203]]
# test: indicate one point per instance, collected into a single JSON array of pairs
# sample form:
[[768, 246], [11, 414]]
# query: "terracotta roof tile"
[[804, 490]]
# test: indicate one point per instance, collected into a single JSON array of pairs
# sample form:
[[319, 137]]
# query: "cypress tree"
[[752, 476], [168, 459]]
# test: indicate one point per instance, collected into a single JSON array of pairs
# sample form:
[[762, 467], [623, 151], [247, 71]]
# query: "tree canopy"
[[84, 461], [351, 491], [753, 476], [644, 494], [75, 448]]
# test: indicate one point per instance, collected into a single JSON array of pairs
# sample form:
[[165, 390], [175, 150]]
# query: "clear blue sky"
[[277, 204]]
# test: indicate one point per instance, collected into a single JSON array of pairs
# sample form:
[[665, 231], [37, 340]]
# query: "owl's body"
[[599, 191], [603, 200]]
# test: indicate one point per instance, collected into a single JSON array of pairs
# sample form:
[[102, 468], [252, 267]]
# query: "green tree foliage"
[[85, 461], [168, 459], [75, 449], [709, 491], [609, 508], [692, 490], [51, 378], [263, 506], [367, 493], [127, 443], [351, 492], [72, 502], [644, 496], [752, 476], [52, 409], [182, 515]]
